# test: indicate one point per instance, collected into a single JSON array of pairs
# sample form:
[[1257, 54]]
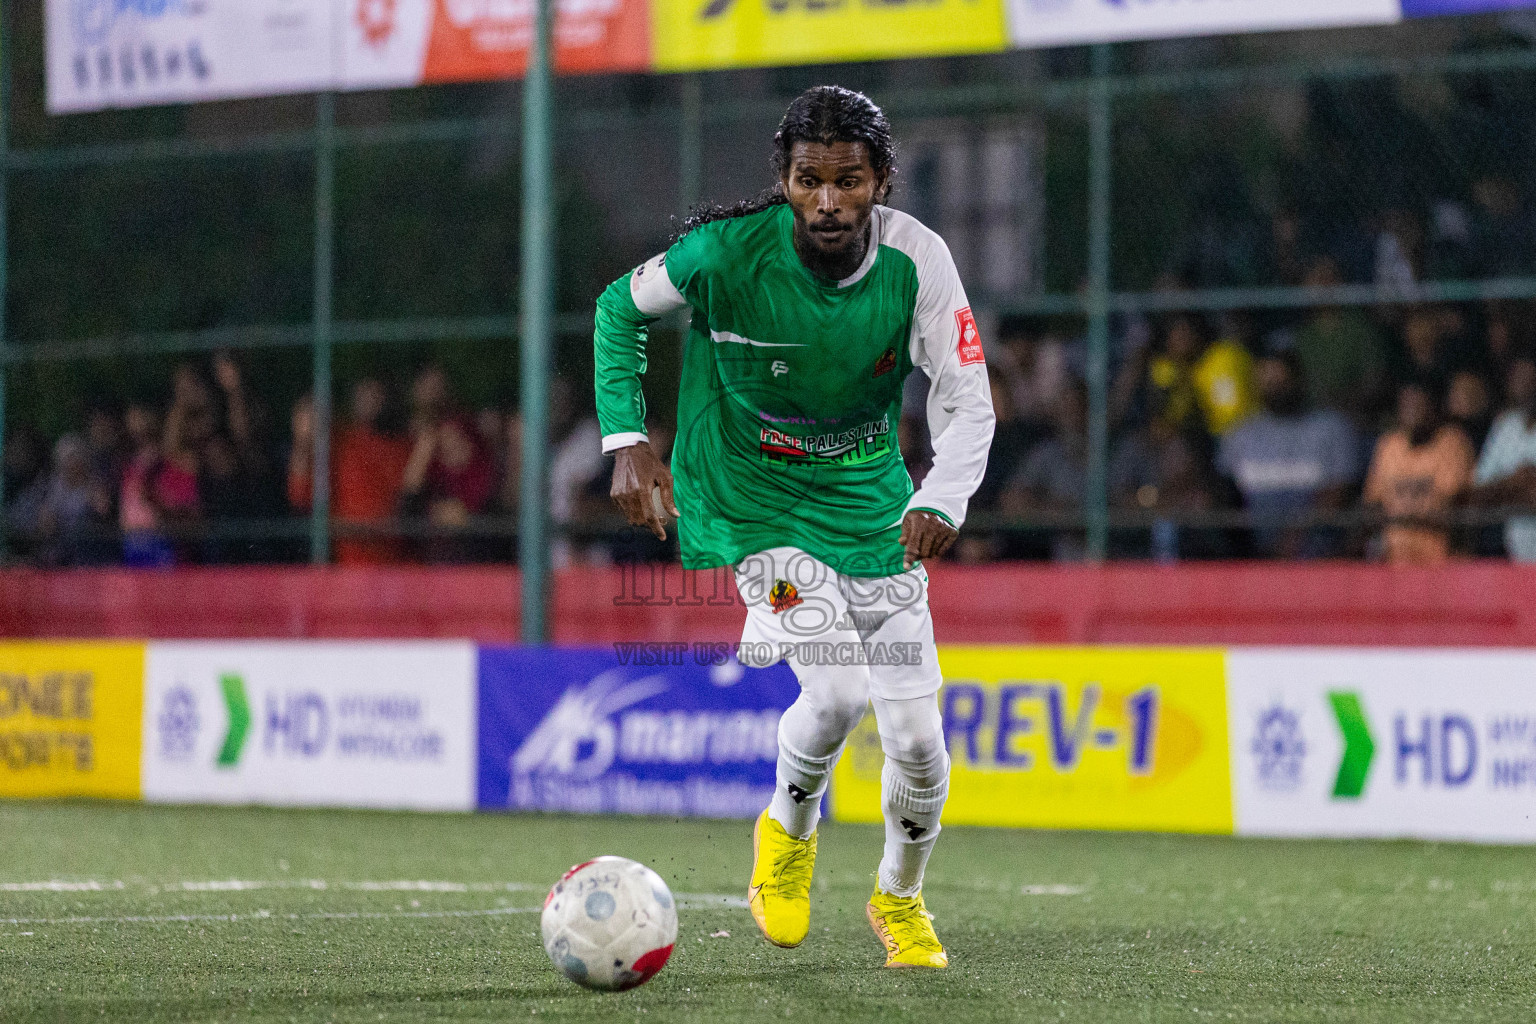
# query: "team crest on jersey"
[[885, 364], [784, 596], [970, 337]]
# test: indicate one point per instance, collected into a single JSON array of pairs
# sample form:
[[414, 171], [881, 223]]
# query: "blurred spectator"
[[139, 505], [1399, 262], [1506, 470], [1288, 462], [1178, 485], [1342, 356], [189, 423], [23, 459], [449, 477], [1508, 334], [23, 467], [237, 474], [73, 511], [104, 436], [1011, 439], [1449, 251], [1053, 477], [512, 469], [1503, 235], [1419, 471], [1175, 404], [367, 472], [491, 425], [1468, 405], [1288, 265], [1034, 371], [1424, 357], [1198, 385], [577, 460]]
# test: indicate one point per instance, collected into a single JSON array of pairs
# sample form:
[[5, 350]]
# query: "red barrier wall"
[[1475, 603]]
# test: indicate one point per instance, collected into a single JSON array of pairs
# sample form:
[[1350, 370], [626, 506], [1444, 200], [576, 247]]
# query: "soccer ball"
[[609, 924]]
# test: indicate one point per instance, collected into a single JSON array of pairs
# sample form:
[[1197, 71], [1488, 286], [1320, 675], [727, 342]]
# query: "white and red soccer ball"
[[609, 924]]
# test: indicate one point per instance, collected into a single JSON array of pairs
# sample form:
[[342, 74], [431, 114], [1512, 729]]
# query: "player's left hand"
[[924, 535]]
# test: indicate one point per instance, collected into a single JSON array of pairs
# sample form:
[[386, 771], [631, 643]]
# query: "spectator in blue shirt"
[[1289, 463]]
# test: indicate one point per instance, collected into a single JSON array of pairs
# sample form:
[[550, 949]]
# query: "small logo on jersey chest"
[[784, 596], [779, 367], [970, 337], [885, 364]]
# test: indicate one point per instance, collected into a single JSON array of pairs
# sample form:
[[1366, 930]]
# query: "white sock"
[[811, 736], [913, 787], [911, 828], [802, 781]]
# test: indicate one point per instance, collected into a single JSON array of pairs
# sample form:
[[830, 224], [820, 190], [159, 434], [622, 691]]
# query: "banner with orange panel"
[[1091, 738], [698, 34], [70, 719], [390, 43]]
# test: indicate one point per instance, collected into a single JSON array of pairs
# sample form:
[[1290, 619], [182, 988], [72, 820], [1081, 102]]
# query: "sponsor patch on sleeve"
[[651, 288], [970, 337]]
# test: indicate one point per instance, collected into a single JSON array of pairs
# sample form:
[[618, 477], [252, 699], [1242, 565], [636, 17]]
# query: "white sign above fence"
[[128, 53], [1059, 22], [132, 53]]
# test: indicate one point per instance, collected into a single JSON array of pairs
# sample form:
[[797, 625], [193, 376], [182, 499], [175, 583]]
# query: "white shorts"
[[801, 610]]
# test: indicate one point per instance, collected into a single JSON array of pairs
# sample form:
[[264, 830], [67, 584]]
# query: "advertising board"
[[69, 719], [1434, 744], [1111, 738], [1061, 22], [651, 731], [130, 53], [320, 724]]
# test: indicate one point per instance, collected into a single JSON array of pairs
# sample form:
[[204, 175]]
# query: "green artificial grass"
[[1040, 926]]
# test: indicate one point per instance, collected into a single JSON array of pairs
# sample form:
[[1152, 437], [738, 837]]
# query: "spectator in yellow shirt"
[[1200, 385]]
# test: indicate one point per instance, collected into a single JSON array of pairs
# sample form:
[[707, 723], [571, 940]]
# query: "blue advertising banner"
[[658, 729], [1436, 8]]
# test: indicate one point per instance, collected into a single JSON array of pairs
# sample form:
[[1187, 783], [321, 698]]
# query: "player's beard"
[[834, 264]]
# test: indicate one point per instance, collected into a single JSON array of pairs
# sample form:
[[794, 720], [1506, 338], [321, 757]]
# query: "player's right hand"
[[637, 472]]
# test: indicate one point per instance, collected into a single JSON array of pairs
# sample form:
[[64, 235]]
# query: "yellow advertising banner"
[[1093, 738], [690, 35], [71, 719]]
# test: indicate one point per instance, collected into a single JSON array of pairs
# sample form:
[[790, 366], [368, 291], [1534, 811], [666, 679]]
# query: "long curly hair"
[[824, 114]]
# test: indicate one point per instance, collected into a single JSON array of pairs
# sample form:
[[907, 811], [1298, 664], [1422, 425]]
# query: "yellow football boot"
[[906, 929], [780, 891]]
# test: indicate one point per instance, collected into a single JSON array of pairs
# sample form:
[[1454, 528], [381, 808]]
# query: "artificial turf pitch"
[[357, 916]]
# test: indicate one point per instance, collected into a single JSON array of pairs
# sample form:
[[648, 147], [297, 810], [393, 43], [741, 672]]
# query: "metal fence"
[[1098, 102]]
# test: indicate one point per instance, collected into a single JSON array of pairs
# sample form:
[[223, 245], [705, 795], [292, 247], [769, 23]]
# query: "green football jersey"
[[791, 388]]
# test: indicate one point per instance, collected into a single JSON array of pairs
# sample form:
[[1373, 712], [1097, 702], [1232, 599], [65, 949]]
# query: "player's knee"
[[842, 701], [912, 736], [921, 758]]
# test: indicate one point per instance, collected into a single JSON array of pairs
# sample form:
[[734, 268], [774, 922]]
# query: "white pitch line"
[[266, 915], [248, 885], [686, 901], [223, 885], [709, 901]]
